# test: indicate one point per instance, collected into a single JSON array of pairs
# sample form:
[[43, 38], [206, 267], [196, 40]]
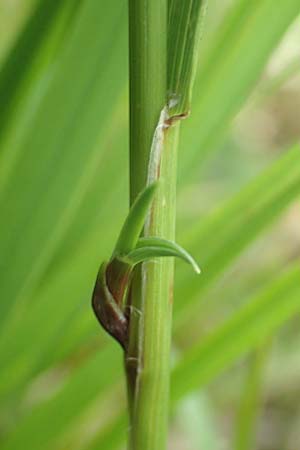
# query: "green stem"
[[150, 407], [148, 72], [153, 147], [148, 356]]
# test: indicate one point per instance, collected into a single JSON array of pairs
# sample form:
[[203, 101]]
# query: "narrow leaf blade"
[[249, 327], [185, 19], [135, 220], [148, 248]]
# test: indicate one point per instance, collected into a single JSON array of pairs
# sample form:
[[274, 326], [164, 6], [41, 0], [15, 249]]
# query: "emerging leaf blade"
[[152, 247], [135, 220]]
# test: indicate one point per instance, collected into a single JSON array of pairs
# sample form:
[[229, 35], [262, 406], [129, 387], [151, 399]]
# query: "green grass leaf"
[[50, 179], [87, 384], [226, 232], [185, 20], [245, 330], [148, 248], [34, 51], [233, 62], [135, 221]]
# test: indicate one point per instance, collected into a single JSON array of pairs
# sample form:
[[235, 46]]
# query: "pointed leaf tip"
[[148, 248]]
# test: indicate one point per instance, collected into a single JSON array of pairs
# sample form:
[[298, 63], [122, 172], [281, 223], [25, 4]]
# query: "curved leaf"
[[152, 247]]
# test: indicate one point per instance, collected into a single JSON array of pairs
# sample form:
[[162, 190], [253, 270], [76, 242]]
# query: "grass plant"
[[65, 191]]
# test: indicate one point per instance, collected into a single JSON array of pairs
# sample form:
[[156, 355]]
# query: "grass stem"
[[147, 361]]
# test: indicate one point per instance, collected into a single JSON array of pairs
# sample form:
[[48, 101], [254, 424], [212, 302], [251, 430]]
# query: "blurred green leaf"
[[249, 327], [63, 152], [33, 51], [225, 233], [234, 60], [250, 400], [87, 383], [112, 437]]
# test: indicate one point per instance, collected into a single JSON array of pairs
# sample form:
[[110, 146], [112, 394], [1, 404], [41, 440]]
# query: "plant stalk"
[[148, 357]]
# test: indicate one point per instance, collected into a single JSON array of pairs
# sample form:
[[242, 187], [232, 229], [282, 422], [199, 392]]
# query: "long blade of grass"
[[21, 91], [226, 232], [236, 56], [249, 327], [33, 51], [37, 213], [87, 383], [250, 401]]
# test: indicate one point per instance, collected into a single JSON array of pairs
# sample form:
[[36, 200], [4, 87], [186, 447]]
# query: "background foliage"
[[63, 196]]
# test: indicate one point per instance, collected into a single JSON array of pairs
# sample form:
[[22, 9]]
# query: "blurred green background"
[[64, 194]]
